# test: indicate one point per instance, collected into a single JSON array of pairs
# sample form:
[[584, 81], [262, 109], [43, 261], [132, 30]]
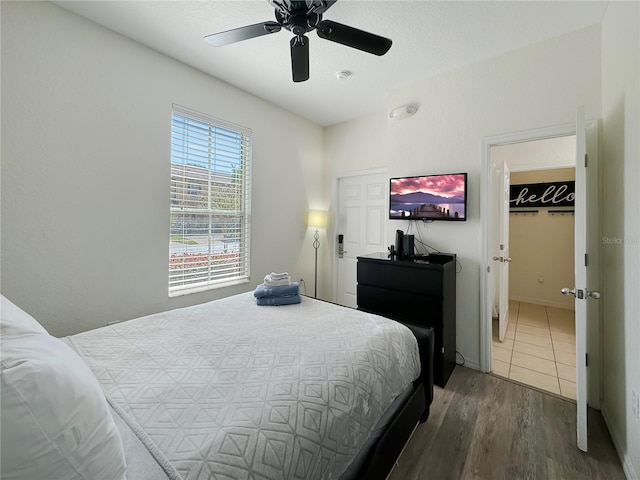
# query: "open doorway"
[[587, 257], [535, 343]]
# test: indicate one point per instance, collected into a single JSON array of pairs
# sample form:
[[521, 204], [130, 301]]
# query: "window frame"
[[214, 155]]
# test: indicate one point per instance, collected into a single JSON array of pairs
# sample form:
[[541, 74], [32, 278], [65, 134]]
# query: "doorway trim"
[[486, 300]]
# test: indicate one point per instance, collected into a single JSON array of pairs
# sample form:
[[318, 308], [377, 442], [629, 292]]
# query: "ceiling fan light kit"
[[301, 17]]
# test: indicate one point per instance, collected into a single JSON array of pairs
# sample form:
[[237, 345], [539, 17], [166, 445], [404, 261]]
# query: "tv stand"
[[417, 292]]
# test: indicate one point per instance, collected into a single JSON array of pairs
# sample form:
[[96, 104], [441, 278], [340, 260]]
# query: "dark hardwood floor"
[[483, 427]]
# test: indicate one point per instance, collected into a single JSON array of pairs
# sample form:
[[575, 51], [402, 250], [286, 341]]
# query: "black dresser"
[[418, 292]]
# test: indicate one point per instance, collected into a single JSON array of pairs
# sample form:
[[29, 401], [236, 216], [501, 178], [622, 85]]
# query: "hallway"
[[538, 348]]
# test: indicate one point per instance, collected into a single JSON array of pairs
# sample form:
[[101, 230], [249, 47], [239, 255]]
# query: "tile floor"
[[538, 348]]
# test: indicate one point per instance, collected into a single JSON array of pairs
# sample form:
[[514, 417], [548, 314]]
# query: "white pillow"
[[15, 322], [55, 421]]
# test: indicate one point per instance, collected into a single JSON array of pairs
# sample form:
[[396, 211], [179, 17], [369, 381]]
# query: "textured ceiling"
[[429, 37]]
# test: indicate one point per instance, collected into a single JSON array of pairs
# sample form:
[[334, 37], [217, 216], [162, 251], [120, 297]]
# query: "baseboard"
[[538, 301], [627, 466], [472, 364]]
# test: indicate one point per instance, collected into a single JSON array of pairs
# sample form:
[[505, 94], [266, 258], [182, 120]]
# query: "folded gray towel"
[[263, 290], [288, 300]]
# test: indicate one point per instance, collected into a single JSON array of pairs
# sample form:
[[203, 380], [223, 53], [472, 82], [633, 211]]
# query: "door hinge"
[[586, 259], [586, 160], [443, 350], [586, 359]]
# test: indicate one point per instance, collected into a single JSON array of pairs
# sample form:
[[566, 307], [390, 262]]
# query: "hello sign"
[[552, 194]]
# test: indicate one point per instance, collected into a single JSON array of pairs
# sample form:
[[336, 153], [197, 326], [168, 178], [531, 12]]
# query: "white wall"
[[534, 87], [621, 227], [85, 171]]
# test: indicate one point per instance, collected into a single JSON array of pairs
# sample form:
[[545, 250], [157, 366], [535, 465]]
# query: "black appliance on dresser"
[[418, 291]]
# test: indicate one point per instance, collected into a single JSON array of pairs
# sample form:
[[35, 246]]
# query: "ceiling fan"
[[300, 17]]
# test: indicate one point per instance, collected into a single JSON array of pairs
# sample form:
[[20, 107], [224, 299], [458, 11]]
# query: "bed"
[[227, 390]]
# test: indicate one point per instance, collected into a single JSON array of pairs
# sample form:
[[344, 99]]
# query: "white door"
[[503, 254], [362, 219], [586, 309]]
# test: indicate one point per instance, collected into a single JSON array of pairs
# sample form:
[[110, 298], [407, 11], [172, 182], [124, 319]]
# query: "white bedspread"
[[231, 390]]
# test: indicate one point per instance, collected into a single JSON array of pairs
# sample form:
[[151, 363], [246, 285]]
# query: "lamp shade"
[[317, 219]]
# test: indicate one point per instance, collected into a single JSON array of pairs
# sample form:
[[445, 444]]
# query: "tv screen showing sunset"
[[433, 197]]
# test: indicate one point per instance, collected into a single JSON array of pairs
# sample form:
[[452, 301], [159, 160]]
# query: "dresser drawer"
[[418, 309], [398, 277]]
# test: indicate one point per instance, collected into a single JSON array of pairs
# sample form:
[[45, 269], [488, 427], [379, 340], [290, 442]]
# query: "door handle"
[[502, 259], [593, 293], [508, 260]]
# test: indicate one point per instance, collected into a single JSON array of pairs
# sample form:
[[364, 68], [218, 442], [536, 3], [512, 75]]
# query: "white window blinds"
[[210, 202]]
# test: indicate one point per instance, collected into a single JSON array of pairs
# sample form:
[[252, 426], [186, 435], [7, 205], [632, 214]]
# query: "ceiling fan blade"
[[300, 58], [352, 37], [243, 33]]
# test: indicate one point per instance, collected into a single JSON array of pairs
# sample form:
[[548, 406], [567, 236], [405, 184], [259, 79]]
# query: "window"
[[210, 202]]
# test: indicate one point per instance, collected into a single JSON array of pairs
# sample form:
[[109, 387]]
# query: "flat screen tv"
[[429, 197]]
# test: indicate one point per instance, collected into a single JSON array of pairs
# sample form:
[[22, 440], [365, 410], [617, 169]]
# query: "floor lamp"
[[317, 219]]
